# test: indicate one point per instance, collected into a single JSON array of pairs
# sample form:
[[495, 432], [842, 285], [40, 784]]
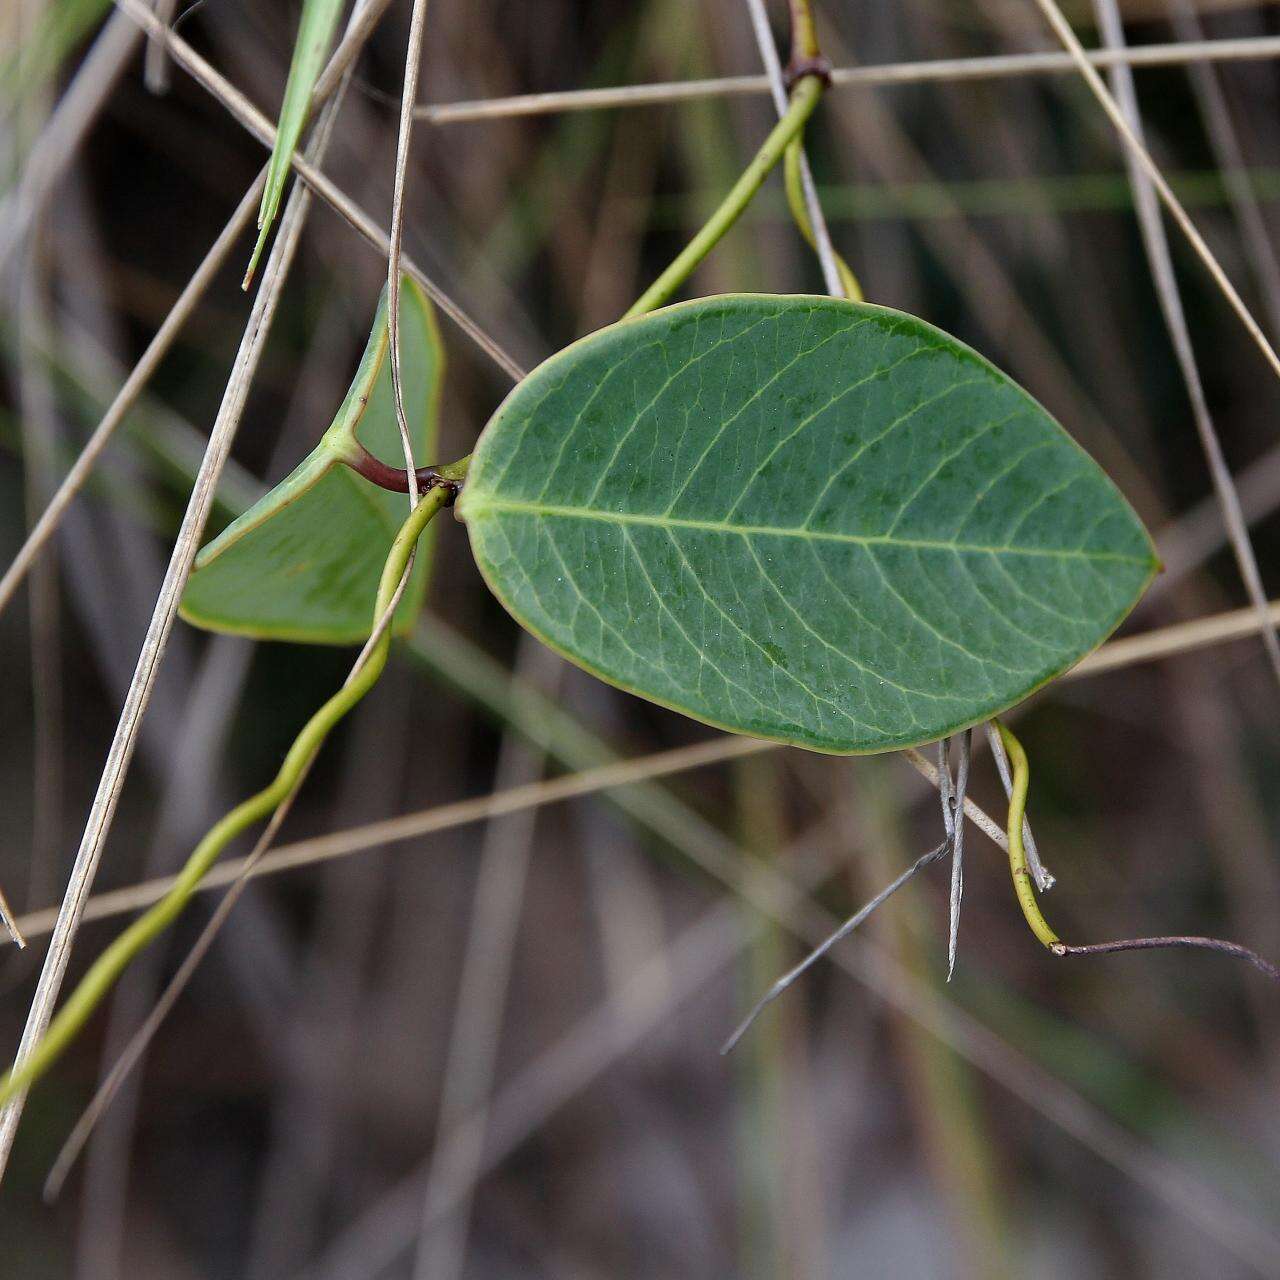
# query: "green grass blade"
[[315, 35]]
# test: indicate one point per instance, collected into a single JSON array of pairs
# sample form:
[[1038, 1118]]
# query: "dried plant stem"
[[113, 961], [1156, 243], [935, 70], [34, 1046], [264, 131], [412, 65], [1142, 158]]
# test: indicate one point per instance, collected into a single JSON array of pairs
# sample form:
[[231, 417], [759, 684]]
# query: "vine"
[[867, 538]]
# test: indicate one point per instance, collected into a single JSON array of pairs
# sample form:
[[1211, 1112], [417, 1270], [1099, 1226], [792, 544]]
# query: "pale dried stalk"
[[1142, 158], [951, 70], [778, 91], [412, 66], [1165, 279], [358, 30], [263, 130], [153, 646]]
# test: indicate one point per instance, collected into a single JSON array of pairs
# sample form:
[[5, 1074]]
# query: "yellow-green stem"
[[1022, 883], [804, 99], [116, 958], [800, 214]]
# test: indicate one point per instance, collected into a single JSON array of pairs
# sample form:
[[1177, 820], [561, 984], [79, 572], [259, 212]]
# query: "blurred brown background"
[[493, 1051]]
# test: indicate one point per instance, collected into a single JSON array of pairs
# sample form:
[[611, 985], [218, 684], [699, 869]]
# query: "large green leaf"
[[805, 519], [303, 563]]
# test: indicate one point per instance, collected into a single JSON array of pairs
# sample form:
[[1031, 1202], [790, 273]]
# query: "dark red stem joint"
[[396, 479], [798, 68]]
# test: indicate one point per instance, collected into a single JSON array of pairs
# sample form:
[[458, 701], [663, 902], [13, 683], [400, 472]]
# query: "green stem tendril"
[[115, 959], [1022, 883], [804, 99], [800, 215]]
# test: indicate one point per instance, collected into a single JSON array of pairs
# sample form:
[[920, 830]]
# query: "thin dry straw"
[[247, 115], [821, 950], [1156, 243], [111, 782], [1142, 157], [952, 806], [1003, 66], [777, 88]]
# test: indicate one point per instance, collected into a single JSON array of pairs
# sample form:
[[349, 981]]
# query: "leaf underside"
[[804, 519], [303, 563]]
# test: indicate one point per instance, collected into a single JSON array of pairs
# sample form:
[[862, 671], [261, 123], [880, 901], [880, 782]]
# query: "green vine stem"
[[1022, 883], [804, 99], [116, 958], [800, 215], [1025, 889]]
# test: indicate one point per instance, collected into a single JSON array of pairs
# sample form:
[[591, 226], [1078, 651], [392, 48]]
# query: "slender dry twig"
[[1233, 949], [264, 131], [823, 947], [1000, 66], [1142, 157], [1156, 244], [363, 20], [777, 89], [139, 695]]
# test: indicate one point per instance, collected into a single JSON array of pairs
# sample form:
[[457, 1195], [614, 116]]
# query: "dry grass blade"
[[1142, 157], [823, 947], [363, 20], [778, 91], [1166, 283], [936, 70], [188, 300], [412, 66], [139, 695], [1181, 638], [261, 128]]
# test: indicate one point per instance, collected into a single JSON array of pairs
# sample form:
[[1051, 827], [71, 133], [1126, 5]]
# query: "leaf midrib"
[[483, 505]]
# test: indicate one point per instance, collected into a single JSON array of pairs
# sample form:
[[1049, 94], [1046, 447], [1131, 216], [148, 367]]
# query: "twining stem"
[[800, 215], [1024, 888], [116, 958], [1022, 882], [804, 99]]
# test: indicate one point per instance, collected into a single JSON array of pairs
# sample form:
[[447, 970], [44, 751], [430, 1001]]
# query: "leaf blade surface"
[[303, 563], [804, 519]]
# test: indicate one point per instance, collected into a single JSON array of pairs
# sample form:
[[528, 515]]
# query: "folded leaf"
[[303, 562], [804, 519]]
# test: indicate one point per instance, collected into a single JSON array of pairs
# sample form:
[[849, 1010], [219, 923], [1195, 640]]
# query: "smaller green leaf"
[[303, 562], [315, 35]]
